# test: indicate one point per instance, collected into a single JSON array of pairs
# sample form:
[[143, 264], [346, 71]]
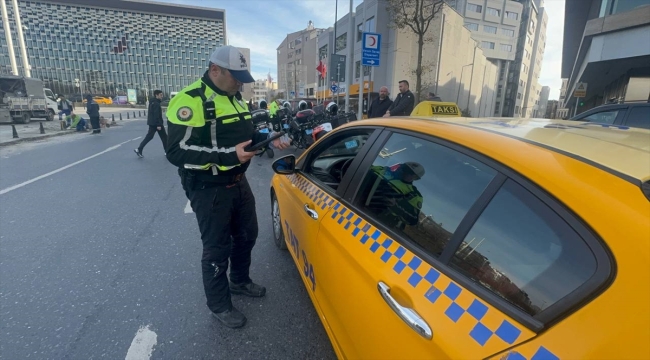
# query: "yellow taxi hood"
[[620, 148]]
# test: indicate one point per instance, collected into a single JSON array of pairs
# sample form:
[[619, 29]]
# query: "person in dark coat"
[[92, 109], [155, 122], [380, 105], [404, 101]]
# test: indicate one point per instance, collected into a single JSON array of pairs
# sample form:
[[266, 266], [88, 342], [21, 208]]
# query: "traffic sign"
[[293, 93], [371, 49], [581, 90], [334, 88]]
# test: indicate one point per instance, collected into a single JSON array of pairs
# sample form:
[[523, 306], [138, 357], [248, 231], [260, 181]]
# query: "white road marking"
[[142, 344], [188, 208], [12, 188]]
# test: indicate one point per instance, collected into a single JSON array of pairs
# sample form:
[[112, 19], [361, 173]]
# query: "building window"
[[322, 52], [474, 8], [499, 90], [518, 95], [359, 32], [370, 24], [493, 12], [517, 110], [508, 32], [489, 29], [472, 26], [487, 45], [341, 42], [506, 47], [512, 15], [497, 105]]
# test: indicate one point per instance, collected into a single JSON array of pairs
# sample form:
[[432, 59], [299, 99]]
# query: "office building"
[[495, 25], [264, 89], [607, 46], [115, 45], [512, 34], [455, 67], [296, 59], [543, 102]]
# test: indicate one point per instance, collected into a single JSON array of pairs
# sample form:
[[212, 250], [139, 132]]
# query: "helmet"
[[416, 168], [287, 105], [262, 104], [332, 108], [302, 105]]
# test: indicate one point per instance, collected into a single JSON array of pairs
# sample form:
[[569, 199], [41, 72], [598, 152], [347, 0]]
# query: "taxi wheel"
[[278, 234]]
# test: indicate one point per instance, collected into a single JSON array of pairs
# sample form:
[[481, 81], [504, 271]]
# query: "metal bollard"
[[139, 113], [127, 115], [42, 130], [134, 114], [120, 116], [112, 119], [14, 132], [145, 112]]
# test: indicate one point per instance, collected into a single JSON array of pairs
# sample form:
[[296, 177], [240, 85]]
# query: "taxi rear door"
[[387, 292]]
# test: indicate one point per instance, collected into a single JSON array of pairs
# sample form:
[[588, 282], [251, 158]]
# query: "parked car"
[[122, 100], [627, 114], [464, 238]]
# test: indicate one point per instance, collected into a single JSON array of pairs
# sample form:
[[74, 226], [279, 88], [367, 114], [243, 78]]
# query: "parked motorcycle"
[[262, 123]]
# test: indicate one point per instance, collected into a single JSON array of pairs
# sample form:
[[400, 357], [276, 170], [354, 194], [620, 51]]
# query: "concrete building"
[[495, 25], [607, 46], [551, 109], [522, 89], [562, 112], [264, 89], [115, 45], [296, 58], [455, 66], [543, 102]]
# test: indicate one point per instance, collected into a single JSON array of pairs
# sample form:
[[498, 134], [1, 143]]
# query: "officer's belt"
[[206, 178]]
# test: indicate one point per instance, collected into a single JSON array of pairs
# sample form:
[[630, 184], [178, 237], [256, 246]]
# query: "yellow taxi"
[[436, 109], [461, 238], [101, 100]]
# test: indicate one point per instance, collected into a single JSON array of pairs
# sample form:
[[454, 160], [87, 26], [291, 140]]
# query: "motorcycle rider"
[[262, 104], [302, 105]]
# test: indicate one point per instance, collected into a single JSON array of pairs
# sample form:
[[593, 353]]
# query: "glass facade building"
[[114, 45]]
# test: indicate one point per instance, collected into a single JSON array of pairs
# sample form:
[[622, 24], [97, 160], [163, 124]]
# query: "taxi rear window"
[[524, 252]]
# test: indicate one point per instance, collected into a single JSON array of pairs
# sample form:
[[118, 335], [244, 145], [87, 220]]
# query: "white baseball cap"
[[229, 57]]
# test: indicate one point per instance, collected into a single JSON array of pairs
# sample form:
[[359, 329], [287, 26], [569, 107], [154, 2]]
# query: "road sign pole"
[[360, 105], [575, 111], [338, 81]]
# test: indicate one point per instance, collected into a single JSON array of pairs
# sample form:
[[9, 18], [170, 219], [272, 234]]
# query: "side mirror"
[[285, 165]]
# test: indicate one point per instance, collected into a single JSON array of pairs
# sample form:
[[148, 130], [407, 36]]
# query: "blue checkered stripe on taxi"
[[317, 195], [541, 354], [381, 245]]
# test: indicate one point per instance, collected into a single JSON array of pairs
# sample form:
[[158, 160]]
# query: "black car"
[[631, 114]]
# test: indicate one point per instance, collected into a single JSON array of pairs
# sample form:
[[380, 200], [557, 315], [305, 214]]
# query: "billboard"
[[131, 96]]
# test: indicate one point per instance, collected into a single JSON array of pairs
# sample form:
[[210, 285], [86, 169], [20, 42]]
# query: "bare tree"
[[417, 16]]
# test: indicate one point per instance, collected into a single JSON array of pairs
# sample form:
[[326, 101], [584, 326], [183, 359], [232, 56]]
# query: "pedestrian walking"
[[209, 127], [65, 107], [380, 105], [92, 109], [404, 101], [155, 122]]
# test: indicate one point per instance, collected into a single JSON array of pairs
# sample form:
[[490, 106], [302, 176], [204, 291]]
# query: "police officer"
[[209, 127], [273, 110]]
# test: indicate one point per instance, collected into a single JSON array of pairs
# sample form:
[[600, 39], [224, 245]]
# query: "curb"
[[36, 138]]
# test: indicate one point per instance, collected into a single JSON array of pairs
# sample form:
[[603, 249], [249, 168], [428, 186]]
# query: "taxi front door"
[[302, 212]]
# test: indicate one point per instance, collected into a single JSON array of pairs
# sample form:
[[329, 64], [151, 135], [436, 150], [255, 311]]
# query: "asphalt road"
[[96, 249]]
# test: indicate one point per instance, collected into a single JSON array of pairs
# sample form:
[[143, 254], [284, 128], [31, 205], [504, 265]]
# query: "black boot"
[[231, 318], [250, 289]]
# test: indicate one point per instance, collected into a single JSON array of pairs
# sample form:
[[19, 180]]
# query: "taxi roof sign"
[[436, 108]]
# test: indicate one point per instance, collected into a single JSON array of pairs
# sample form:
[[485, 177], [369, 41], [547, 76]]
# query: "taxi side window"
[[422, 190], [524, 252], [332, 160]]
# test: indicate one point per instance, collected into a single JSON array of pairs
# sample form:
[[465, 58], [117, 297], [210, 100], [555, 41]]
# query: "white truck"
[[22, 99]]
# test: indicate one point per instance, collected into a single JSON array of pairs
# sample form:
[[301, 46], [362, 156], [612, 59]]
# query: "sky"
[[261, 25]]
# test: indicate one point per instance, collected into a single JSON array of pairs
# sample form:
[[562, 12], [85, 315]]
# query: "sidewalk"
[[32, 131]]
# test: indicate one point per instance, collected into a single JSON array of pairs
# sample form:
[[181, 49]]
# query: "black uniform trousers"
[[152, 131], [94, 121], [228, 225]]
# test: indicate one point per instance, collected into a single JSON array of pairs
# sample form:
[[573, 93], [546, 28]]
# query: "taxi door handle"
[[312, 214], [410, 317]]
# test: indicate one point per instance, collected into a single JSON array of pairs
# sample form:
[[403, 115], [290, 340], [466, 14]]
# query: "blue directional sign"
[[334, 88], [371, 49]]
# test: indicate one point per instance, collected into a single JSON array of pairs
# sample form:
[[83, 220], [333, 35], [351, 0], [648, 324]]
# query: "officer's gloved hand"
[[281, 143]]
